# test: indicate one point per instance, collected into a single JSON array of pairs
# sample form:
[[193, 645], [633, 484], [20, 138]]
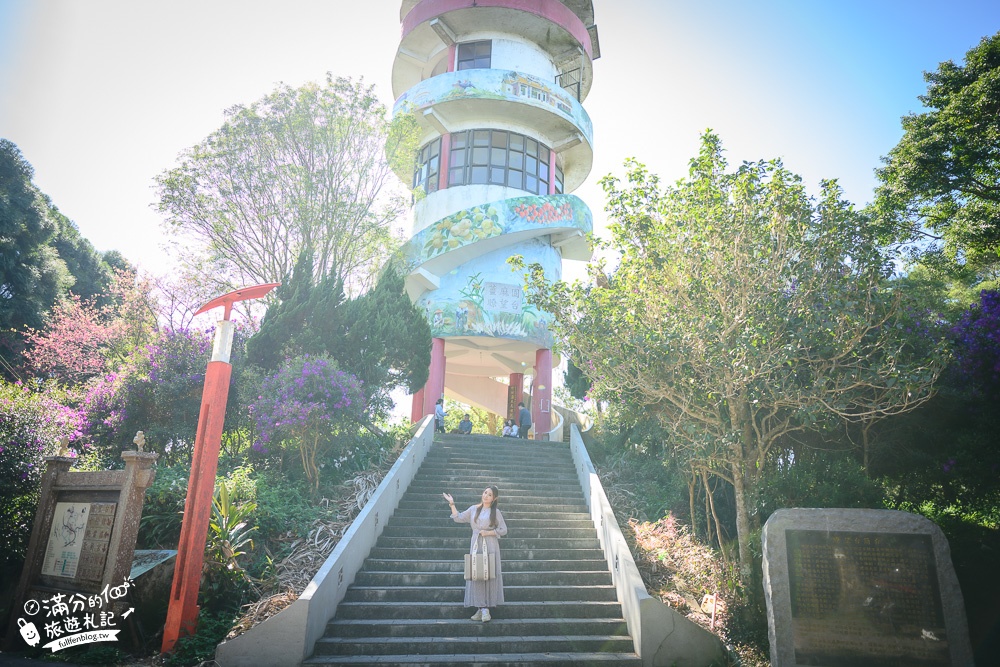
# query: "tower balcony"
[[471, 98], [563, 221], [431, 27]]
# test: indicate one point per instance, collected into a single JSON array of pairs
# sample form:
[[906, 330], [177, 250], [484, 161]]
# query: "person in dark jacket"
[[523, 420]]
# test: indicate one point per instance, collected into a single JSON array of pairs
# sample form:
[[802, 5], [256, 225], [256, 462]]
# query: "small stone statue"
[[63, 447], [139, 440]]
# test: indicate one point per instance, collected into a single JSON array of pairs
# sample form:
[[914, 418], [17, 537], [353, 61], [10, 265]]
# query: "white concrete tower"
[[496, 86]]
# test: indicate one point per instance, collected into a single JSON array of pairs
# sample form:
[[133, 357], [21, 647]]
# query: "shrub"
[[33, 419], [306, 404], [157, 391]]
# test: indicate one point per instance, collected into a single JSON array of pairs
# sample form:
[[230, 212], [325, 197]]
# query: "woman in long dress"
[[487, 525]]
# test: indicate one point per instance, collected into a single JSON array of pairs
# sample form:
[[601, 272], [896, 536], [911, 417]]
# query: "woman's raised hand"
[[448, 499]]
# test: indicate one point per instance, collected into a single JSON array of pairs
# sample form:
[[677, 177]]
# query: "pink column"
[[444, 161], [541, 397], [434, 389], [517, 382], [417, 409]]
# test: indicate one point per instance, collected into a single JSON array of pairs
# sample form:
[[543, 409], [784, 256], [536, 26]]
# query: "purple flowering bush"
[[977, 344], [33, 419], [158, 391], [305, 405]]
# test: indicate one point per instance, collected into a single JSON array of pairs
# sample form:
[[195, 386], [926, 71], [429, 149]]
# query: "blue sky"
[[102, 95]]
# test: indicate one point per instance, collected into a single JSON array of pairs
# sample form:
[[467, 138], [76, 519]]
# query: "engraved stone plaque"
[[861, 588], [503, 298], [96, 540]]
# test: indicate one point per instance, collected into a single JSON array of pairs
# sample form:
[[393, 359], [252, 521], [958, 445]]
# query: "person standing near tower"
[[487, 525], [439, 414], [523, 420]]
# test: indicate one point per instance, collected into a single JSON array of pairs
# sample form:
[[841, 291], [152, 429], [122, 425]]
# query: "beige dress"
[[484, 593]]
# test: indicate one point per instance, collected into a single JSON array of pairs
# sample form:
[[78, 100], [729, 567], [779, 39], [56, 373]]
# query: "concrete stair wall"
[[405, 605]]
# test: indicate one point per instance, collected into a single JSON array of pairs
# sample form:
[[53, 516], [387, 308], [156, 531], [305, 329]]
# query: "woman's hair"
[[493, 507]]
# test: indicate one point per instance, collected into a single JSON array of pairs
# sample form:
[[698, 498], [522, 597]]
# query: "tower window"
[[428, 167], [489, 157], [474, 55]]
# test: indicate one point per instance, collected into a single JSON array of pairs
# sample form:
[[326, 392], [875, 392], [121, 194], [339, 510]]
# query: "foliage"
[[33, 419], [32, 276], [92, 273], [200, 647], [82, 339], [977, 345], [742, 311], [943, 177], [380, 336], [157, 391], [304, 405], [303, 169], [163, 508]]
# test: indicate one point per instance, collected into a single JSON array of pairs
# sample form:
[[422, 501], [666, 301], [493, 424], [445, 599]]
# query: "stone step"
[[498, 627], [457, 593], [406, 605], [459, 530], [505, 506], [422, 609], [456, 565], [520, 485], [534, 513], [476, 645], [458, 551], [577, 659], [459, 540], [547, 578], [540, 520]]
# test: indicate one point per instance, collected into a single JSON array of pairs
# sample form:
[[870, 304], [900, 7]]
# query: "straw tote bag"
[[480, 566]]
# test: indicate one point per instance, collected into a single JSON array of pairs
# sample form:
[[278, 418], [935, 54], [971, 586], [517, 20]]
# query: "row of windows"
[[495, 157]]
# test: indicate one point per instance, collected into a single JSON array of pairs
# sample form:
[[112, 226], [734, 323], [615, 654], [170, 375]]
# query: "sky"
[[102, 95]]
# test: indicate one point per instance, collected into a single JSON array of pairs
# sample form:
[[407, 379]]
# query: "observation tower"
[[497, 88]]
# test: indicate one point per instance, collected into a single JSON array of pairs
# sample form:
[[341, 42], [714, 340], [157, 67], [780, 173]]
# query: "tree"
[[92, 274], [81, 339], [32, 275], [741, 312], [941, 183], [301, 170], [380, 337]]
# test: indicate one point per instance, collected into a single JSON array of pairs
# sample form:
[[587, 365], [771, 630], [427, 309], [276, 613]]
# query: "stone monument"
[[863, 588]]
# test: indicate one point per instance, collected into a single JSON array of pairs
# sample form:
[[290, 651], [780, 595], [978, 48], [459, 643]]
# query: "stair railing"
[[288, 637], [661, 636]]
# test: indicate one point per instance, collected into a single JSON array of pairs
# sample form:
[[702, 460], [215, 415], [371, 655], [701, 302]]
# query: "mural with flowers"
[[483, 297], [508, 216]]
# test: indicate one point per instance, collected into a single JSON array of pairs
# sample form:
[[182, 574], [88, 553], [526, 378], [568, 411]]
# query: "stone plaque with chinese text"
[[861, 588], [503, 298]]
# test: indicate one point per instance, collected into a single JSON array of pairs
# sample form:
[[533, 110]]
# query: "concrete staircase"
[[405, 606]]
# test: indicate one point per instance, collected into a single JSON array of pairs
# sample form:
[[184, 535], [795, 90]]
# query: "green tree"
[[941, 183], [302, 169], [380, 337], [741, 312], [92, 275], [32, 275]]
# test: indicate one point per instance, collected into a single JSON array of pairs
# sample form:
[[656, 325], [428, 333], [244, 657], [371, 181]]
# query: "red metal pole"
[[182, 613]]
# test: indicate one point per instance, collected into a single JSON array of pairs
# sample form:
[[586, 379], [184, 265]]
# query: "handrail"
[[661, 636], [287, 638]]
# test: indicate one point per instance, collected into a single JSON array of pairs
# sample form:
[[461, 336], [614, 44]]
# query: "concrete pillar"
[[541, 397], [434, 389]]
